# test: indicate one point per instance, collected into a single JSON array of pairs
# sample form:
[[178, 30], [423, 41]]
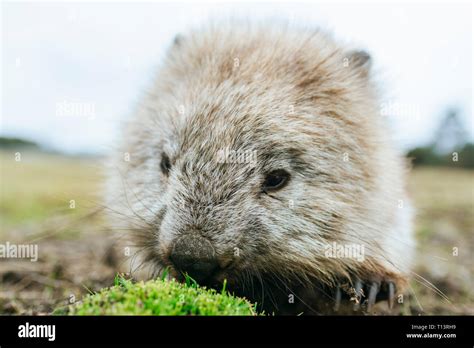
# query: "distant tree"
[[425, 156], [466, 156], [429, 157], [6, 142], [451, 133], [449, 147]]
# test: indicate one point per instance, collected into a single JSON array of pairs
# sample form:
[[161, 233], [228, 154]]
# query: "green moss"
[[159, 297]]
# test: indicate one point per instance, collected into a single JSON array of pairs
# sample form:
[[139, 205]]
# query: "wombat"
[[259, 157]]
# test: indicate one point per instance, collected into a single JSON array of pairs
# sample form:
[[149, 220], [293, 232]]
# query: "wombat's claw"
[[338, 299], [381, 291], [391, 294], [358, 293], [377, 291], [374, 290]]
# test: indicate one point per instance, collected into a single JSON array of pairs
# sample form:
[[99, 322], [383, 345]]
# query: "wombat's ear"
[[176, 44], [178, 40], [359, 60]]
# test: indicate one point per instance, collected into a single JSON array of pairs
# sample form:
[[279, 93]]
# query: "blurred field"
[[40, 185], [77, 255], [444, 199]]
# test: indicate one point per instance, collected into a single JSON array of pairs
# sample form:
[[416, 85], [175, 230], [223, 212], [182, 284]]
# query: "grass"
[[444, 201], [159, 297], [42, 185]]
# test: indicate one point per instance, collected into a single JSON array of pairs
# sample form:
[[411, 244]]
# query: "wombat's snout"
[[195, 256]]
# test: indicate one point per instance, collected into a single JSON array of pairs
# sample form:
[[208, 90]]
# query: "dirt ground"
[[77, 254]]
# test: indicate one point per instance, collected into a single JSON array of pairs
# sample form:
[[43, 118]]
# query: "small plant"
[[159, 297]]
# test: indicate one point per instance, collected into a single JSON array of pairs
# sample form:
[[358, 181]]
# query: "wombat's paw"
[[364, 294]]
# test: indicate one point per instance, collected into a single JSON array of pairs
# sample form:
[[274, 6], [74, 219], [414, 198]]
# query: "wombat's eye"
[[275, 180], [165, 164]]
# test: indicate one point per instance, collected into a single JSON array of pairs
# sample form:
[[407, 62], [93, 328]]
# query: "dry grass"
[[75, 252], [444, 199], [42, 185]]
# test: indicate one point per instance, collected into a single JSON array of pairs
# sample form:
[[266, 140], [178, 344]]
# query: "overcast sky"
[[71, 72]]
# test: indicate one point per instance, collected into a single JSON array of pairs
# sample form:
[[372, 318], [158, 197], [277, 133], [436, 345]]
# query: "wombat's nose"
[[195, 256]]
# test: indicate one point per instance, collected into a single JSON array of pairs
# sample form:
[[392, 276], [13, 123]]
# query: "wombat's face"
[[251, 154], [238, 174], [230, 195]]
